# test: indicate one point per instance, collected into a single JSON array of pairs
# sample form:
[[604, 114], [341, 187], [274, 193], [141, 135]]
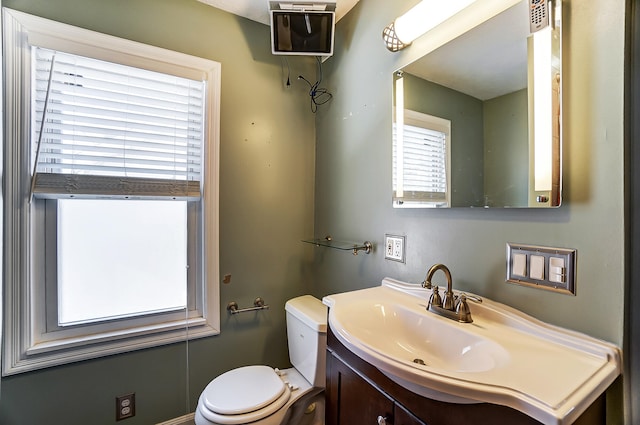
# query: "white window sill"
[[60, 352]]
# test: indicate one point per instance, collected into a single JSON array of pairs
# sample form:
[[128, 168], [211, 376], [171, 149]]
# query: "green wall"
[[506, 149], [266, 206], [353, 178]]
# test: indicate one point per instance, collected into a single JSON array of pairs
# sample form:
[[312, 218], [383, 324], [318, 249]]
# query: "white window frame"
[[428, 122], [24, 349]]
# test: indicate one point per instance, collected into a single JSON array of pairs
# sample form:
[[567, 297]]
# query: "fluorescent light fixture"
[[423, 17], [400, 136], [542, 125]]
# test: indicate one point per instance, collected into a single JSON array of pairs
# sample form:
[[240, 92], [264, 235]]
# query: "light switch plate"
[[394, 247], [545, 267]]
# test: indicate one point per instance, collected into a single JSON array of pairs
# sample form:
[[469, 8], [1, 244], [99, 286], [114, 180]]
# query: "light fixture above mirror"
[[423, 17]]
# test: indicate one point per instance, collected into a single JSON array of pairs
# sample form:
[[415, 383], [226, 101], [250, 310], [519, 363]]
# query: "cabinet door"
[[404, 417], [351, 400]]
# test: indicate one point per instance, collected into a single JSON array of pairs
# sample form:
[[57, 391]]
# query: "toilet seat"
[[244, 395]]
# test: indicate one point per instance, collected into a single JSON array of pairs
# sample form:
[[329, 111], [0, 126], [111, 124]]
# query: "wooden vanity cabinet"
[[357, 394], [356, 401]]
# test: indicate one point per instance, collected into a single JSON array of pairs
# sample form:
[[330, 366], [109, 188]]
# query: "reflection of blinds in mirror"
[[424, 164]]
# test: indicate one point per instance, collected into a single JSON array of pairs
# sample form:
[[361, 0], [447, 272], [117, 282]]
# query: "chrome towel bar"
[[258, 304]]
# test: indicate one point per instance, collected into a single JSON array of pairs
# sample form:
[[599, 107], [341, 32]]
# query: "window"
[[117, 258], [111, 192], [421, 154]]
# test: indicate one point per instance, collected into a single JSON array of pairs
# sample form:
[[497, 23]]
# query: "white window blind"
[[114, 130], [424, 163]]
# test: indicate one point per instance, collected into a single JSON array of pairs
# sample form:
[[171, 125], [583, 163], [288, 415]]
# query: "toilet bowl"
[[261, 395]]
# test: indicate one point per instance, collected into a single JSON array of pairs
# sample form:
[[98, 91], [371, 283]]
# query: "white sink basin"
[[419, 337], [504, 357]]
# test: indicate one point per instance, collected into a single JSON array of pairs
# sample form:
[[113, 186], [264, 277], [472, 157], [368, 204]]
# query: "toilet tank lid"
[[310, 311]]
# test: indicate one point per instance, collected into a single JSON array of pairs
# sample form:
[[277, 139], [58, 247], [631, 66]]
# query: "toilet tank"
[[307, 336]]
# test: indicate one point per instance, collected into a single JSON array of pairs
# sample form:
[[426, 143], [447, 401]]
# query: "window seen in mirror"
[[421, 175]]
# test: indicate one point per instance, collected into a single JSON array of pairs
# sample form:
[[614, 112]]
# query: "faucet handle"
[[434, 299], [462, 309], [470, 297]]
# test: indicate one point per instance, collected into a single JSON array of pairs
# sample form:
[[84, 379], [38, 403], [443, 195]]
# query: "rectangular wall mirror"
[[477, 121]]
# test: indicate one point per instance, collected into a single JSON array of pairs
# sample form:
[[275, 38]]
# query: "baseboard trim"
[[182, 420]]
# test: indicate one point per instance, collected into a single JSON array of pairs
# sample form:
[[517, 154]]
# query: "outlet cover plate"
[[125, 406], [394, 247]]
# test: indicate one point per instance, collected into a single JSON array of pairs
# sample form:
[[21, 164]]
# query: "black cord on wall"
[[318, 95], [284, 62]]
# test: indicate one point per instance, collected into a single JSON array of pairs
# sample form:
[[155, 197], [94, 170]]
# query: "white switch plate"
[[394, 247]]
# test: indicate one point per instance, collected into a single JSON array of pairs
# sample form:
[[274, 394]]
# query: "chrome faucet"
[[449, 306]]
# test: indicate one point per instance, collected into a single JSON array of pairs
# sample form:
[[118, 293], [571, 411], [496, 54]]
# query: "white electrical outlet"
[[394, 247]]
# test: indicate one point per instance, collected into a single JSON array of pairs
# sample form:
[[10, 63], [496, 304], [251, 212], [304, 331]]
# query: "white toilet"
[[260, 395]]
